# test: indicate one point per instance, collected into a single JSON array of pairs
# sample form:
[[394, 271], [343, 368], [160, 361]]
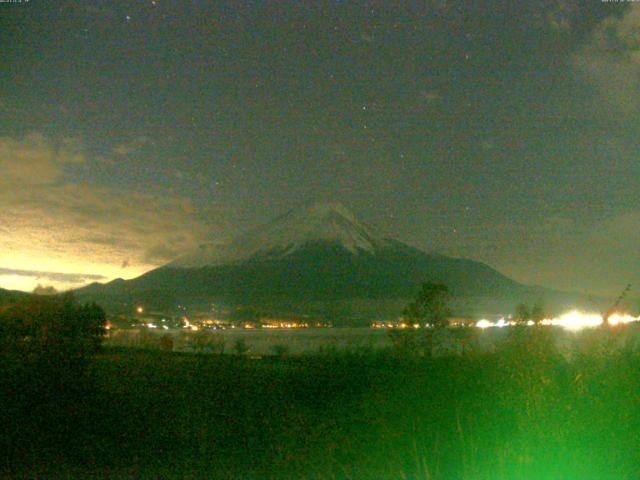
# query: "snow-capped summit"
[[325, 223]]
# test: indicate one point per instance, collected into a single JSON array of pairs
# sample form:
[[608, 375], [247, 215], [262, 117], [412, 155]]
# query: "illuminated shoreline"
[[573, 320]]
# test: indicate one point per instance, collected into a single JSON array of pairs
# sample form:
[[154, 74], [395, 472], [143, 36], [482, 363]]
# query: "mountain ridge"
[[322, 256]]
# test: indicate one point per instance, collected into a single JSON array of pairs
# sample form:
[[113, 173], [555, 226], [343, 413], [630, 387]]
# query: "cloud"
[[162, 252], [71, 151], [98, 221], [559, 16], [33, 160], [614, 242], [599, 256], [132, 145], [611, 60], [29, 162], [53, 276], [51, 224]]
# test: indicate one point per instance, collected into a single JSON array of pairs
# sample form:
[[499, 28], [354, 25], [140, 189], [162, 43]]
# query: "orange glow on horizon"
[[76, 267]]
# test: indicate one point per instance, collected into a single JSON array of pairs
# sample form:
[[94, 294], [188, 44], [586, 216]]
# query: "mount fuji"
[[331, 224], [317, 260]]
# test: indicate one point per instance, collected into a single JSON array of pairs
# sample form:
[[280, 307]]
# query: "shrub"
[[240, 346], [280, 350], [166, 343], [147, 340], [45, 327], [216, 344]]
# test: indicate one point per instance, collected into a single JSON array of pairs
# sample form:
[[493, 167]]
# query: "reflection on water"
[[318, 340], [261, 341]]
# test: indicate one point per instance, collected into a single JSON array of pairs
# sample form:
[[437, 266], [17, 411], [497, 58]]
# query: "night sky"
[[507, 132]]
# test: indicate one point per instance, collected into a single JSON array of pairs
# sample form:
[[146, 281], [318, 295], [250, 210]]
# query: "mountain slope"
[[319, 255], [11, 296]]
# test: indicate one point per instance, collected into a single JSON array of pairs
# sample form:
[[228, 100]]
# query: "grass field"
[[521, 412]]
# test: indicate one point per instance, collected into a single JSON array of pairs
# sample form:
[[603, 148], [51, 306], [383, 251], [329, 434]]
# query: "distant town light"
[[484, 323], [618, 318], [573, 320], [501, 323]]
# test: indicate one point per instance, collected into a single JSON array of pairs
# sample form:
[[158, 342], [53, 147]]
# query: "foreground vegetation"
[[521, 411]]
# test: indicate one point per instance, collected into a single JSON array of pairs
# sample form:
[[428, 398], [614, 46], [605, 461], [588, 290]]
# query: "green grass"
[[522, 412]]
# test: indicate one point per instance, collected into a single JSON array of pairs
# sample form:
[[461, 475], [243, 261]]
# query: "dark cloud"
[[611, 61], [53, 276], [162, 253]]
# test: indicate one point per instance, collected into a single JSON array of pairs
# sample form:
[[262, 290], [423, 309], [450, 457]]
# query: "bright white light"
[[573, 320], [618, 318], [501, 323], [484, 323]]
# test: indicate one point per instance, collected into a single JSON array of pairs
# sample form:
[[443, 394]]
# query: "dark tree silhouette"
[[41, 326], [45, 345], [537, 313], [430, 308], [522, 314]]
